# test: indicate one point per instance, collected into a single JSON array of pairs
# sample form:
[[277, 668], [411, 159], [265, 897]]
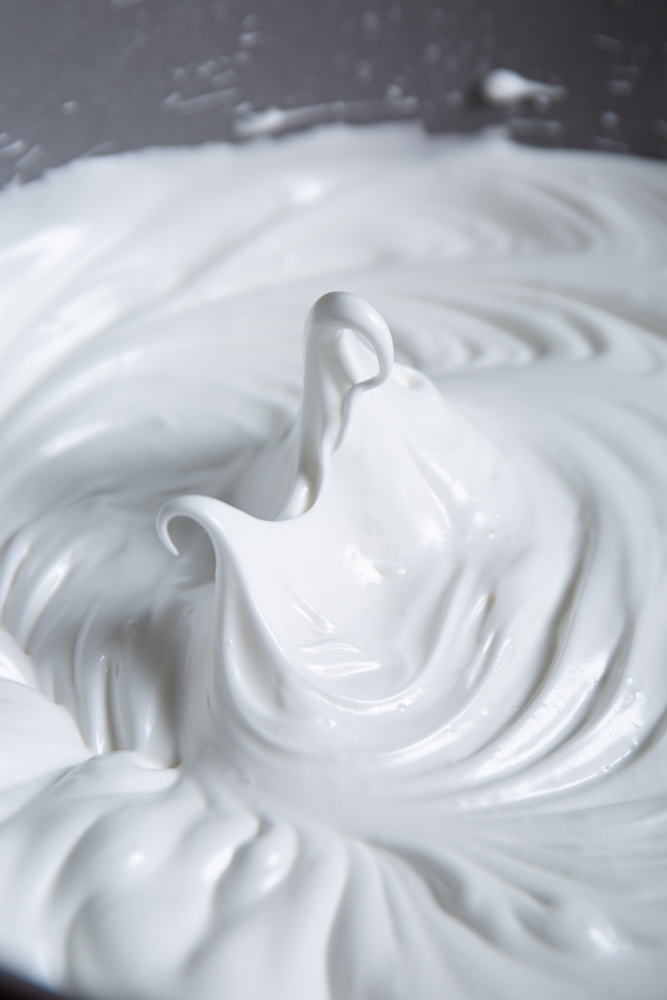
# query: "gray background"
[[85, 77]]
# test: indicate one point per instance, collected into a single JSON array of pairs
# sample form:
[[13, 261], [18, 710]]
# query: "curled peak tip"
[[201, 509], [332, 380], [337, 311]]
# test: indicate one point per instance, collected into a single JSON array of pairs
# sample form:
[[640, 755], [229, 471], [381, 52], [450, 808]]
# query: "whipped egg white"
[[332, 664]]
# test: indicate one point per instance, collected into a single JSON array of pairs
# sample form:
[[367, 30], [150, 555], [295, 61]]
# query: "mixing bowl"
[[89, 78]]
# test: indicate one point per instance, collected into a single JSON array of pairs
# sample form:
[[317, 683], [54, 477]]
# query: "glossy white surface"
[[410, 742]]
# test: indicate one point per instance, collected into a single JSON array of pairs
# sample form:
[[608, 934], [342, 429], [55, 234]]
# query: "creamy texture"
[[393, 723]]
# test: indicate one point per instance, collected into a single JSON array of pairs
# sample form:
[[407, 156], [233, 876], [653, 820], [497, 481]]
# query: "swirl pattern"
[[408, 737]]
